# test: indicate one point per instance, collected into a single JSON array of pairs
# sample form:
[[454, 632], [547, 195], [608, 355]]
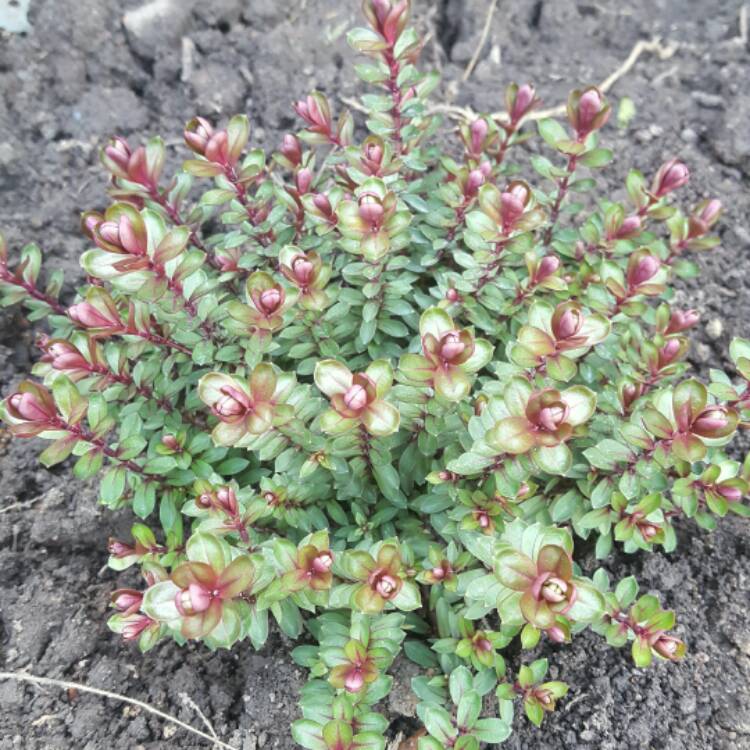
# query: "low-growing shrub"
[[373, 390]]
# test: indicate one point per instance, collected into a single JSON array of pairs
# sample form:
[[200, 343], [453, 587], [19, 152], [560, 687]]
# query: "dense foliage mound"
[[374, 390]]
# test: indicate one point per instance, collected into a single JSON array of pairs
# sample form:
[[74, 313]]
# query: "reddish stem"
[[86, 436], [241, 191], [154, 338], [500, 155], [392, 85], [562, 191], [31, 290]]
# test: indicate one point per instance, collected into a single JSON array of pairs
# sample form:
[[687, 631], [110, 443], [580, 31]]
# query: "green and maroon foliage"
[[374, 384]]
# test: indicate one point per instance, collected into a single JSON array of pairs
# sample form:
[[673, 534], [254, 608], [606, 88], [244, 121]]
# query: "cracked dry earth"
[[80, 75]]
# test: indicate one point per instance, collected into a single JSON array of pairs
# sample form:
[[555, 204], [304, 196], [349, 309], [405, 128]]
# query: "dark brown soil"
[[77, 77]]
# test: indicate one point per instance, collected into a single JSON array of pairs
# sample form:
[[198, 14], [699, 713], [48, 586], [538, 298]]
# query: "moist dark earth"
[[80, 76]]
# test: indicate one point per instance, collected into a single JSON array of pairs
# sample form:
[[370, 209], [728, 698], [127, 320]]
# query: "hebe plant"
[[373, 391]]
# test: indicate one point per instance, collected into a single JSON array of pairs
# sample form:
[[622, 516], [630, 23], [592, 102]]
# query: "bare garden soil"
[[81, 75]]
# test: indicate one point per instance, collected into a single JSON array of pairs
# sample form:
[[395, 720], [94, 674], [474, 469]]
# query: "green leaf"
[[534, 711], [158, 601], [89, 464], [552, 131], [68, 400], [468, 710], [641, 652], [160, 465], [308, 734], [469, 463], [597, 157], [625, 112], [232, 466], [112, 485], [420, 653], [459, 683], [491, 730], [437, 722], [553, 460], [209, 549], [57, 452], [144, 499]]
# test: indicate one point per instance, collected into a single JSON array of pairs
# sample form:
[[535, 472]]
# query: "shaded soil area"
[[80, 75]]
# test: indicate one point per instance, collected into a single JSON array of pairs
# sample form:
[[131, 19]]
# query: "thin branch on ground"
[[65, 685], [743, 35], [190, 703], [652, 46], [482, 39], [18, 506]]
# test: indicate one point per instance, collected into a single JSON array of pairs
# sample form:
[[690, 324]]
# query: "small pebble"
[[702, 352], [689, 135], [714, 328], [643, 136], [709, 101]]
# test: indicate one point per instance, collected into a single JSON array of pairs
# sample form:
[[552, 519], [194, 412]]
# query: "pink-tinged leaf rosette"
[[555, 337], [135, 172], [374, 157], [197, 599], [546, 584], [320, 208], [375, 223], [687, 423], [534, 569], [30, 411], [387, 17], [267, 301], [357, 398], [721, 486], [133, 247], [355, 667], [540, 422], [316, 112], [249, 407], [450, 356], [98, 314], [587, 111], [519, 101], [221, 148], [312, 568], [134, 626], [308, 273], [645, 275], [382, 577], [671, 176], [501, 215], [63, 356], [649, 625]]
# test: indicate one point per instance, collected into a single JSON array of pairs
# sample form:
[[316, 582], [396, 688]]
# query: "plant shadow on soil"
[[79, 77]]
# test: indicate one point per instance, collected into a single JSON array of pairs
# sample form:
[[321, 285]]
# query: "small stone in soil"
[[714, 329]]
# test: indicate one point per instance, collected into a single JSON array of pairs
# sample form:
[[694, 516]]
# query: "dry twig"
[[190, 703], [17, 506], [653, 46], [482, 39], [65, 685]]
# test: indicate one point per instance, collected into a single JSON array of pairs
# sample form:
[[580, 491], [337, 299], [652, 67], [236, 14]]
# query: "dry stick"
[[653, 46], [17, 506], [190, 703], [743, 35], [65, 685], [482, 39]]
